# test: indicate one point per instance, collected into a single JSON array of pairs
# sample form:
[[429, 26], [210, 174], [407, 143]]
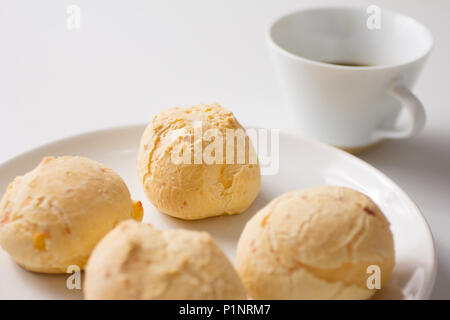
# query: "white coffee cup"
[[350, 106]]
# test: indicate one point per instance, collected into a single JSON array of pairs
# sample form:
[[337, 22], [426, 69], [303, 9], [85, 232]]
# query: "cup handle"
[[414, 109]]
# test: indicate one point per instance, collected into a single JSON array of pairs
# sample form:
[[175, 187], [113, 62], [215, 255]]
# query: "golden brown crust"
[[194, 191], [137, 261], [315, 244], [53, 216]]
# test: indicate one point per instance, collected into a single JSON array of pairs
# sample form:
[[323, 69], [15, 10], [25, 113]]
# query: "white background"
[[131, 59]]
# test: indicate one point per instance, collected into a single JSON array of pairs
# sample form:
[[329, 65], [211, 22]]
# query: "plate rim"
[[426, 290]]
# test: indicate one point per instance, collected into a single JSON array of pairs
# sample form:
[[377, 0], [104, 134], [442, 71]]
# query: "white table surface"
[[131, 59]]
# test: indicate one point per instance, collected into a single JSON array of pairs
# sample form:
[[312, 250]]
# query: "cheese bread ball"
[[53, 216], [137, 261], [181, 181], [315, 244]]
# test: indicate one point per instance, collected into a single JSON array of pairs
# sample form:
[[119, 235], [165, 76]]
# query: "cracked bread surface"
[[137, 261], [53, 216], [315, 244], [196, 188]]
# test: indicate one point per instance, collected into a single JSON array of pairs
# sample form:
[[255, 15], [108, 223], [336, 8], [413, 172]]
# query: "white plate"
[[303, 163]]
